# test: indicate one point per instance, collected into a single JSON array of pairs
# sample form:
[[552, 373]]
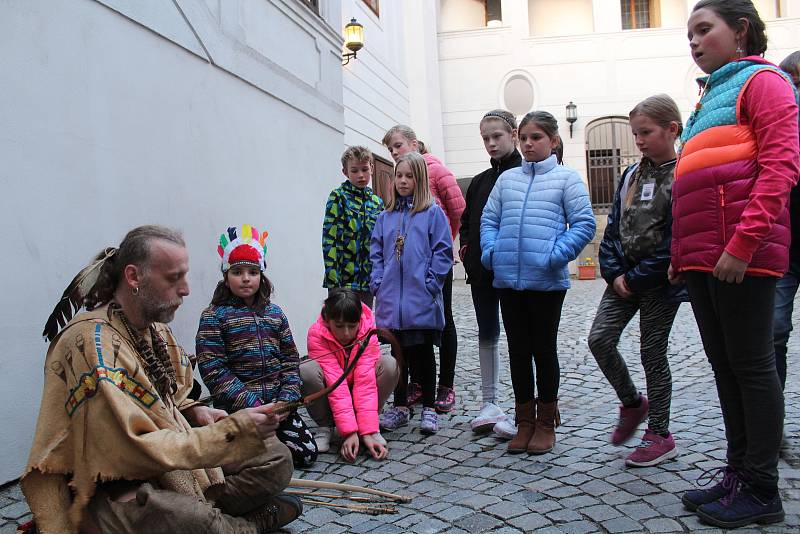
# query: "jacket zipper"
[[722, 206], [261, 351], [519, 237], [400, 261]]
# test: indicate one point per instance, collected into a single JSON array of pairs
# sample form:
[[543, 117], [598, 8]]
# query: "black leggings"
[[419, 359], [449, 348], [531, 321]]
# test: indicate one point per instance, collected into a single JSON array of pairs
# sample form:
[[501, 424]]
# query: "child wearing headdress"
[[245, 349]]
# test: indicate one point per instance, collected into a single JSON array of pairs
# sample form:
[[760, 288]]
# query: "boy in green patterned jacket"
[[350, 215]]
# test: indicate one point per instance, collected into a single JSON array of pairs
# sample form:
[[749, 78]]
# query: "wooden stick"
[[321, 484], [334, 496], [371, 510]]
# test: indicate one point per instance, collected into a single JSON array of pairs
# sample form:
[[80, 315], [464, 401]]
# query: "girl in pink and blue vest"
[[730, 242]]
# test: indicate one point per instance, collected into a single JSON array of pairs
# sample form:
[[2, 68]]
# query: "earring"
[[739, 50], [135, 291]]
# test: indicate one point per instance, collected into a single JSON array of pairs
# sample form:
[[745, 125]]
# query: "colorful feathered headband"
[[243, 246]]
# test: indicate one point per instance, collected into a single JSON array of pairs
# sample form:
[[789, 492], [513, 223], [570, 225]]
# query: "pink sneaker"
[[629, 421], [653, 450]]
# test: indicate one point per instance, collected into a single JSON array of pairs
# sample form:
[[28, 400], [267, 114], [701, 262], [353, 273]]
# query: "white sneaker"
[[490, 415], [378, 438], [505, 429], [322, 437]]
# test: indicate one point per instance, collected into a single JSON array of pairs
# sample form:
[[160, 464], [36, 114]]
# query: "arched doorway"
[[610, 148]]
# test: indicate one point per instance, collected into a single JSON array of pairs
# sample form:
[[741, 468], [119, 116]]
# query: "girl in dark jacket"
[[634, 258], [499, 133]]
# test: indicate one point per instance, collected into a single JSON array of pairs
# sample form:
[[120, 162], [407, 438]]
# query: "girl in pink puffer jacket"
[[353, 406]]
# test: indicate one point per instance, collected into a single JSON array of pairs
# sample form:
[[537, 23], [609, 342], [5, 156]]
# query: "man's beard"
[[153, 309]]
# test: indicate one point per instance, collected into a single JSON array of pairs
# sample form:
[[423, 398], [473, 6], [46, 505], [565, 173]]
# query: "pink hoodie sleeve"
[[769, 105], [365, 389], [340, 400], [447, 193]]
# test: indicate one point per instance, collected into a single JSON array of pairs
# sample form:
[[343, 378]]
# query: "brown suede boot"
[[526, 424], [547, 419]]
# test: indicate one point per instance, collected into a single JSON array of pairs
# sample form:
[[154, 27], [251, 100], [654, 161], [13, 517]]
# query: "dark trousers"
[[449, 346], [420, 361], [785, 292], [735, 323], [531, 321], [486, 301]]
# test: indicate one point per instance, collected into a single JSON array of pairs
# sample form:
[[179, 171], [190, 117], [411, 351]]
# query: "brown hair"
[[357, 153], [423, 198], [342, 304], [791, 64], [732, 11], [661, 108], [543, 120], [224, 295], [134, 250]]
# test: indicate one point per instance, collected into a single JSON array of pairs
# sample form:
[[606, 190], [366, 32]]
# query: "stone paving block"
[[578, 501], [478, 523], [352, 519], [562, 491], [578, 527], [15, 510], [662, 524], [601, 512], [564, 515], [318, 516], [453, 513], [637, 511], [479, 502], [530, 522], [8, 528], [505, 509], [597, 487], [622, 524]]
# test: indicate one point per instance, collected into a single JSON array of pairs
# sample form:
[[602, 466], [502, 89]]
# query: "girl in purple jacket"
[[411, 253]]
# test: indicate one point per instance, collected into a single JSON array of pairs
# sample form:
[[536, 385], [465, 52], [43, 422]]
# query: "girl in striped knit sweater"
[[245, 350]]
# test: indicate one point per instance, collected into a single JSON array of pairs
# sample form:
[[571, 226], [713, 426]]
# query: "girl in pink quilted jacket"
[[401, 139], [353, 406]]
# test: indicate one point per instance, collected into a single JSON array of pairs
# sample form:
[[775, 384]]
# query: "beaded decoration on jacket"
[[156, 360]]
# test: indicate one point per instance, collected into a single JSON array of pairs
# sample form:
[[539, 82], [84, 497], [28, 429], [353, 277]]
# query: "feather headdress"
[[243, 245], [73, 298]]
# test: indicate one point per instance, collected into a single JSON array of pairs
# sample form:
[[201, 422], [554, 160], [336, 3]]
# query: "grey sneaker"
[[395, 417], [429, 423]]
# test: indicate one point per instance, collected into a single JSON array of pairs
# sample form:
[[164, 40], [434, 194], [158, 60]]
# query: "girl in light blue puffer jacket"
[[538, 218]]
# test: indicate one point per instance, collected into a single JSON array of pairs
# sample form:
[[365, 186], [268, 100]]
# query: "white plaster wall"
[[560, 17], [375, 84], [462, 15], [113, 121], [603, 73]]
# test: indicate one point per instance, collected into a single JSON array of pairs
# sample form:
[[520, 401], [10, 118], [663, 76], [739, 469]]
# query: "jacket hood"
[[321, 330]]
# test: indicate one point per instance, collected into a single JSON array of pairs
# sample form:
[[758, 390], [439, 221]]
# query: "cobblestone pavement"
[[466, 483]]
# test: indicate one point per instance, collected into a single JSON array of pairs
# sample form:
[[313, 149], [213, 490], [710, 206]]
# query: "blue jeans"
[[782, 326]]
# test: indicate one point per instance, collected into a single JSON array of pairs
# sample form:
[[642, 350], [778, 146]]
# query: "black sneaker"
[[693, 499], [277, 513], [741, 507]]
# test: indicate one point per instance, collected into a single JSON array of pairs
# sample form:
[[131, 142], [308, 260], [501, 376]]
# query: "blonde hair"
[[506, 118], [401, 129], [357, 153], [423, 198], [661, 108]]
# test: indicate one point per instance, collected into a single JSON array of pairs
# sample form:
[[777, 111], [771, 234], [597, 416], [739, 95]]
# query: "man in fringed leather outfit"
[[119, 445]]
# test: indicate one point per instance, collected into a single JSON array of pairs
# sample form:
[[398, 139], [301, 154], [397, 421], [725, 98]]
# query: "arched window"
[[610, 148]]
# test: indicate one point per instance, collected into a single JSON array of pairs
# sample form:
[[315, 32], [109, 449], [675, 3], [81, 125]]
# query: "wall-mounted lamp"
[[572, 116], [353, 40]]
